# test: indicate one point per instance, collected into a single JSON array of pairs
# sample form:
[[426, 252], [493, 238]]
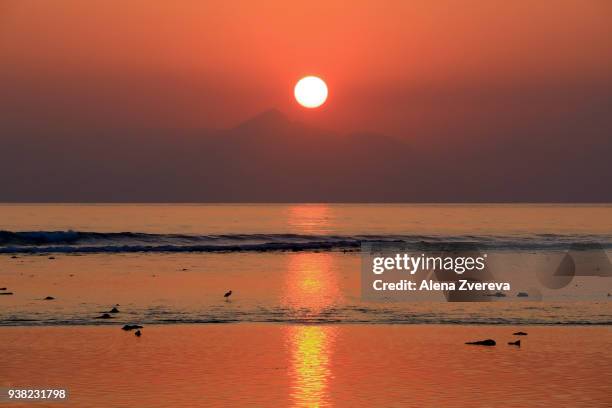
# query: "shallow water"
[[297, 265], [312, 365], [311, 287]]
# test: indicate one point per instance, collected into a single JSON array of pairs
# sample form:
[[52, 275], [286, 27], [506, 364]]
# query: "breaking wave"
[[125, 242]]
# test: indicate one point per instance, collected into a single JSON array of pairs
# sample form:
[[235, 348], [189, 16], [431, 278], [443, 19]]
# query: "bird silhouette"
[[227, 295]]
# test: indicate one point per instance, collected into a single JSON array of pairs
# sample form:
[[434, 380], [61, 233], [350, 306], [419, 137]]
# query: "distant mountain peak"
[[272, 113], [271, 118]]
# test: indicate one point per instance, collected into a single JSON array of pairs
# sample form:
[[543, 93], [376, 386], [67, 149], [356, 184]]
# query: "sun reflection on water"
[[310, 348], [311, 287], [311, 284], [310, 218]]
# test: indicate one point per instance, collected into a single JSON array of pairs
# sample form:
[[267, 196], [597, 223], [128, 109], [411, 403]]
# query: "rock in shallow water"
[[129, 327], [487, 342]]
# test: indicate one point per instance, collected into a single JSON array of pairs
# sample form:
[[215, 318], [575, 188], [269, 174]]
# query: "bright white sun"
[[310, 92]]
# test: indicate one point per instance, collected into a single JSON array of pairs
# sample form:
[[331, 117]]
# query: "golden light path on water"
[[311, 367], [310, 218], [311, 286], [311, 282]]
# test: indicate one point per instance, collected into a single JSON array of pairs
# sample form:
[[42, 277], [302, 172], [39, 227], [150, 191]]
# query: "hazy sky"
[[391, 66], [431, 72]]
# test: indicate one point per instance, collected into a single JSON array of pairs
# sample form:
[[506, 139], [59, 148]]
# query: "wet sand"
[[311, 365]]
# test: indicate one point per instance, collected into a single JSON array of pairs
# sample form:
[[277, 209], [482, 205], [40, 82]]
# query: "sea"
[[284, 263]]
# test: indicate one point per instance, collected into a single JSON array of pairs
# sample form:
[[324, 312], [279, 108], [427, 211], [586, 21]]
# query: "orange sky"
[[396, 67]]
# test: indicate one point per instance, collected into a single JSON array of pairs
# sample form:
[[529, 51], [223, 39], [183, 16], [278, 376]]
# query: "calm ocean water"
[[291, 365], [284, 263]]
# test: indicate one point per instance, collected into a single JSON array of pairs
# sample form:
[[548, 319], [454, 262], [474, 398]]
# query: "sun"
[[310, 92]]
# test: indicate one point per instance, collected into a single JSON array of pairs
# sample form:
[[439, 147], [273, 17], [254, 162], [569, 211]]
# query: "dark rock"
[[6, 293], [49, 298], [105, 316], [138, 333], [129, 327], [114, 310], [51, 257], [14, 257], [520, 333], [522, 294], [2, 288], [487, 342], [515, 343]]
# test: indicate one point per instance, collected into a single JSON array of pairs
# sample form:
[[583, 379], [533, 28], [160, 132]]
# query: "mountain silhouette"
[[268, 120], [272, 158]]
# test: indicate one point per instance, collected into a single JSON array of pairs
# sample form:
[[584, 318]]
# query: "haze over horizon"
[[271, 158], [428, 101]]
